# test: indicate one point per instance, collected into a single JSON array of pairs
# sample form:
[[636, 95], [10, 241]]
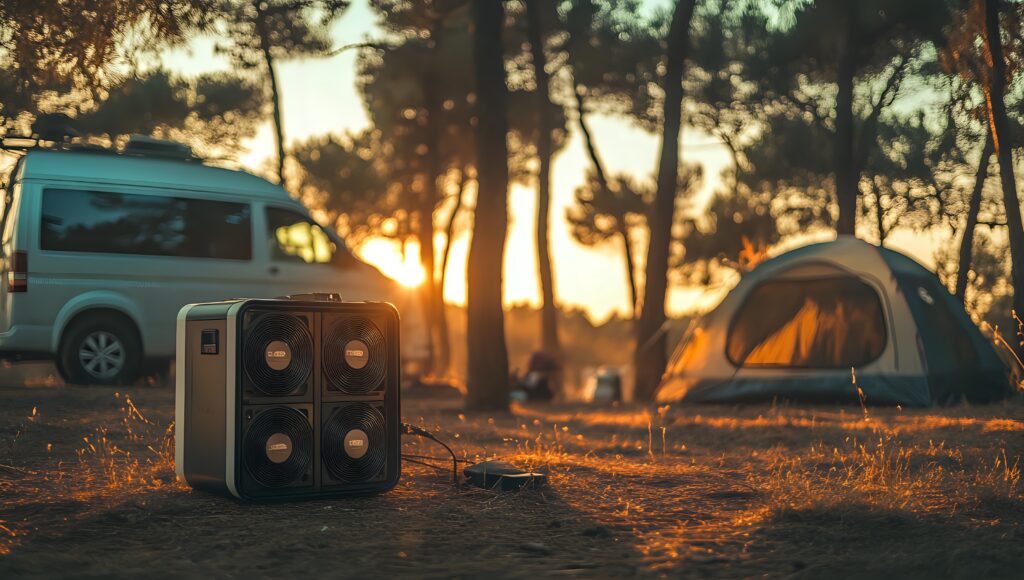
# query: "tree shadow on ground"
[[423, 529], [863, 541]]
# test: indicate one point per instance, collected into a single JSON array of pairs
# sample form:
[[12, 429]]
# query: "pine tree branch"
[[381, 46]]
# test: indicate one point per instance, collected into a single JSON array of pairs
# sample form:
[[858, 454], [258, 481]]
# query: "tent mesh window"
[[822, 323]]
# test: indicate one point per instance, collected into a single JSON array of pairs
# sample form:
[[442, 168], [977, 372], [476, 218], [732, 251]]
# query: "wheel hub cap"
[[102, 355]]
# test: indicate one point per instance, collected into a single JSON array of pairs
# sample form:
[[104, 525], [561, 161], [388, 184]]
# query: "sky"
[[319, 95]]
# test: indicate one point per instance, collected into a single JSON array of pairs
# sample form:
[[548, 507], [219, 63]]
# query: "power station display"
[[288, 399]]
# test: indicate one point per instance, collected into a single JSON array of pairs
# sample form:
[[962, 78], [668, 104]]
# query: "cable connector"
[[410, 429]]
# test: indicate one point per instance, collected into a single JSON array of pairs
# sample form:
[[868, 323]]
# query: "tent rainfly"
[[797, 327]]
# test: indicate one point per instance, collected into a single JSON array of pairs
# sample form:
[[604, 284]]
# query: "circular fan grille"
[[277, 328], [340, 462], [268, 428], [369, 373]]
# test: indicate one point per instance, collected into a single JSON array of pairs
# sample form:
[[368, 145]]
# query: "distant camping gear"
[[604, 386], [288, 399], [795, 326], [543, 372]]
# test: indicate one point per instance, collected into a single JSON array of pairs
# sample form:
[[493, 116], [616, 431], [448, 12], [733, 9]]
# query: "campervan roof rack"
[[145, 146], [137, 146]]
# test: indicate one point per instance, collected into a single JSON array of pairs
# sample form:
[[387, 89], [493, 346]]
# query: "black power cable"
[[410, 429], [406, 459]]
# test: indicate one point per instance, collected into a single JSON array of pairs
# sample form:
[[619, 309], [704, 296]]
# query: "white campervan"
[[101, 249]]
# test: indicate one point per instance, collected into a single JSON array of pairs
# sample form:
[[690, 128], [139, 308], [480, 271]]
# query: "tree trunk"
[[845, 174], [487, 378], [588, 140], [549, 312], [425, 236], [880, 218], [602, 180], [278, 123], [973, 209], [1000, 127], [444, 359], [650, 356], [627, 244], [433, 302], [275, 94]]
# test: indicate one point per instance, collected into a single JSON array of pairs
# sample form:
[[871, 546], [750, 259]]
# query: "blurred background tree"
[[487, 373], [416, 82], [418, 93], [259, 33], [610, 58], [827, 72], [540, 17], [84, 60], [346, 177], [983, 54], [650, 356], [55, 51], [609, 209], [213, 113], [81, 44]]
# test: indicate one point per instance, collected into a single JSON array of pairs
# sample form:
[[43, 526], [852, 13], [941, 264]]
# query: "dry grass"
[[107, 466], [88, 485], [887, 473]]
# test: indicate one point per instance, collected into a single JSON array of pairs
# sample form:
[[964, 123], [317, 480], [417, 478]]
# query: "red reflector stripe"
[[17, 278]]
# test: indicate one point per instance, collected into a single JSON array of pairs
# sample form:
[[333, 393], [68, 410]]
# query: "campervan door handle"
[[273, 270]]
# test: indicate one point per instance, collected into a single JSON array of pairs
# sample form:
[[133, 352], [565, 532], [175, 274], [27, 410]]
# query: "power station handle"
[[314, 297]]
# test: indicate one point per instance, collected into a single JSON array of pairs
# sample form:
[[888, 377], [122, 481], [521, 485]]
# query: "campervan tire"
[[100, 349]]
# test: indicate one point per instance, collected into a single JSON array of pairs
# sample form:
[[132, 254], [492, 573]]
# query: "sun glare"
[[401, 266], [409, 273]]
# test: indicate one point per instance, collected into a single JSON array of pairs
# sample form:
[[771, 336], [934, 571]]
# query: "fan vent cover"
[[354, 356], [278, 446], [354, 443], [278, 354]]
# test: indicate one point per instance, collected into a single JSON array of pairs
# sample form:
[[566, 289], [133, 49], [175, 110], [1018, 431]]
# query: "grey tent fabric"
[[799, 325]]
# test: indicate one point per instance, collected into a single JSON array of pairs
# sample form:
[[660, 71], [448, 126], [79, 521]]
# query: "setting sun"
[[400, 263]]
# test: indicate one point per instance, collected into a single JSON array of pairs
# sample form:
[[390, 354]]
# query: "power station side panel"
[[206, 404]]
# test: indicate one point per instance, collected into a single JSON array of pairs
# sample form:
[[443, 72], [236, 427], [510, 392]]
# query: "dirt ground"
[[87, 489]]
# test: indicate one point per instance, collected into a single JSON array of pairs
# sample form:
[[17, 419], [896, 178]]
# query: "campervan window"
[[150, 225], [293, 237], [821, 323]]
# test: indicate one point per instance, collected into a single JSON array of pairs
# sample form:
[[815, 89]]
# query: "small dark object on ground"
[[501, 476], [543, 377], [607, 386]]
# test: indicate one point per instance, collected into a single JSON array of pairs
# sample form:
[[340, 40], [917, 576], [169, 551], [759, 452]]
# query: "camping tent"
[[795, 326]]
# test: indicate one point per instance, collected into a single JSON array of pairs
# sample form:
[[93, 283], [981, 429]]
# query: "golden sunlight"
[[398, 262]]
